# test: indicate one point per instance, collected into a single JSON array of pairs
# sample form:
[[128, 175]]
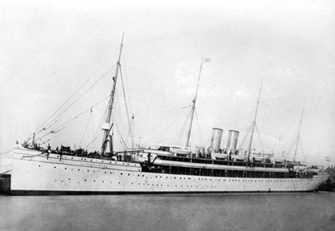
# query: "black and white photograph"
[[167, 115]]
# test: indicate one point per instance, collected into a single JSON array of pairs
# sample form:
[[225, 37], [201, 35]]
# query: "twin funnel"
[[216, 140]]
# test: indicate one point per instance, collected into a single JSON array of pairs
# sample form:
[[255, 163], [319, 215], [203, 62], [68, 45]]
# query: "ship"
[[165, 169]]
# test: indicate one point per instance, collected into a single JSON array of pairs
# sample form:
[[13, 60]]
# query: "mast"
[[132, 131], [253, 125], [298, 137], [187, 144], [107, 127]]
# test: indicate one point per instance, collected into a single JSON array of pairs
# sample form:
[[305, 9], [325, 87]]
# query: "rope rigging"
[[183, 127], [91, 142], [126, 105], [122, 140], [199, 127], [89, 119], [260, 139], [2, 153], [48, 125], [245, 137], [64, 125], [168, 127], [41, 126]]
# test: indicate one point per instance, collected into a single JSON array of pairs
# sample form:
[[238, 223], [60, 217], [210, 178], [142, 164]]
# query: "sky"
[[51, 50]]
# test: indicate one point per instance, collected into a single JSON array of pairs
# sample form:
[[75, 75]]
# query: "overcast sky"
[[49, 50]]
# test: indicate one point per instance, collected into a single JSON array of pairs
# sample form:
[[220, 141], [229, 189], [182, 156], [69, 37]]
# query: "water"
[[282, 211]]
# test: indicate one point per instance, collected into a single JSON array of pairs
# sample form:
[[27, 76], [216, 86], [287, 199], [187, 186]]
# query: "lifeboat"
[[239, 157], [258, 159], [278, 160], [158, 152], [220, 156], [183, 152]]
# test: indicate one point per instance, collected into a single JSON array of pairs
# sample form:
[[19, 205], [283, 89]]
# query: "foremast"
[[107, 127], [194, 101]]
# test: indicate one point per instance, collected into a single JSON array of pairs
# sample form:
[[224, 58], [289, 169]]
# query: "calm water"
[[302, 211]]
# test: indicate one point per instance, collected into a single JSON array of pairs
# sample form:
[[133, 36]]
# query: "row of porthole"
[[144, 184], [187, 186], [110, 162], [198, 178], [261, 180], [152, 184], [127, 165]]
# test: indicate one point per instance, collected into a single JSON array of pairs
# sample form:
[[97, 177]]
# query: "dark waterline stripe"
[[46, 193]]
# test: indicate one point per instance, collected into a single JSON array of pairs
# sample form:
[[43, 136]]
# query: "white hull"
[[39, 174]]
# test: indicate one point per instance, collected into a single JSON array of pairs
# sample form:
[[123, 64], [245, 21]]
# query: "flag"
[[327, 158], [206, 60]]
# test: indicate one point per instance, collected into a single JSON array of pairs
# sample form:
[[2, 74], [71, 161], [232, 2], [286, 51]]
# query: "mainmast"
[[253, 125], [107, 127], [298, 137], [187, 144]]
